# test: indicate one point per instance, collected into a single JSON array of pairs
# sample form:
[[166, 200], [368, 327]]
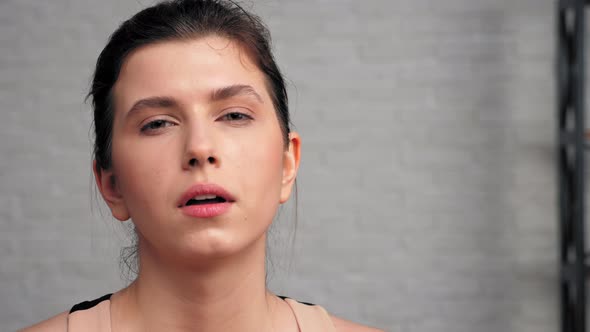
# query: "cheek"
[[260, 169], [141, 168]]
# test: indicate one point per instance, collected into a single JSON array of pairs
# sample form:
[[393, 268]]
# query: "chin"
[[216, 244]]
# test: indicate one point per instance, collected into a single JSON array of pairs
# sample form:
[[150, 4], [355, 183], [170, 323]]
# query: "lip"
[[205, 210]]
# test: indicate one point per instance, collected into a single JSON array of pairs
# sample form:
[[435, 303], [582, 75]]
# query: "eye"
[[155, 125], [236, 117]]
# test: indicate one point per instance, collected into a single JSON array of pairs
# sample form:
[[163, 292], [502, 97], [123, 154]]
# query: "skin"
[[198, 274]]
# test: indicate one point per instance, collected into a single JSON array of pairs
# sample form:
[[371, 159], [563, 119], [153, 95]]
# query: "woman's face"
[[190, 113]]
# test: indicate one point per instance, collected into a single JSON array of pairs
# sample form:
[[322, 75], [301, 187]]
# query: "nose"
[[199, 148]]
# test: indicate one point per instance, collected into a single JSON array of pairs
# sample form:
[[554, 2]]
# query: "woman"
[[193, 144]]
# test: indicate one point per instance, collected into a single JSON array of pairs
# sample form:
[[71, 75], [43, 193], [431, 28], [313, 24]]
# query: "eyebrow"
[[152, 102], [234, 90], [220, 94]]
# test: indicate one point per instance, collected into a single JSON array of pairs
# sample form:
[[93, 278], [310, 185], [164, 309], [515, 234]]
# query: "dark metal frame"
[[571, 161]]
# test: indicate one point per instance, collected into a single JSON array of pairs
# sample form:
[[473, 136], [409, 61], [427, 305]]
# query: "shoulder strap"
[[91, 316], [95, 316], [311, 317]]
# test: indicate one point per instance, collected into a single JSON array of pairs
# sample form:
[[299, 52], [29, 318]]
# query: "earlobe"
[[291, 159], [106, 183]]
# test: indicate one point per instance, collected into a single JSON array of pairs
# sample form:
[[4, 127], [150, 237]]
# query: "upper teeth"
[[201, 197]]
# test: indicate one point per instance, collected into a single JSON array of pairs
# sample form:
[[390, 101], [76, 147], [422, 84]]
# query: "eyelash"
[[162, 122], [146, 128], [244, 117]]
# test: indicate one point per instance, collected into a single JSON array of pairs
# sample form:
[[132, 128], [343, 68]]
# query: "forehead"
[[186, 69]]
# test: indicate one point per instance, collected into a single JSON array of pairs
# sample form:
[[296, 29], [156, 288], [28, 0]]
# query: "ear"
[[106, 183], [291, 158]]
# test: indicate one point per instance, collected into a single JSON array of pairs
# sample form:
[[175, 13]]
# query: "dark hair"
[[179, 20]]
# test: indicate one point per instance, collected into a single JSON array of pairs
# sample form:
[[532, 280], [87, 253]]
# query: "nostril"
[[194, 161]]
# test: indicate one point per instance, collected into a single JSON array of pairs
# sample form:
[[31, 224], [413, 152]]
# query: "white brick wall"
[[426, 193]]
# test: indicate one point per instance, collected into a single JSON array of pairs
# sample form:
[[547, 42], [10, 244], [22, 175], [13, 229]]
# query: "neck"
[[228, 294]]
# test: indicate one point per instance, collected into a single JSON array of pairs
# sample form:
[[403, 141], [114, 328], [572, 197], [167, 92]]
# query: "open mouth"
[[205, 199]]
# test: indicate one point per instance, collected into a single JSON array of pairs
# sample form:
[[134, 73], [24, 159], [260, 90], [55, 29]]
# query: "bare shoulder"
[[57, 323], [343, 325]]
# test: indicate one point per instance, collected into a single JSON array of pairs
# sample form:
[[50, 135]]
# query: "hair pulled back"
[[180, 20], [170, 21]]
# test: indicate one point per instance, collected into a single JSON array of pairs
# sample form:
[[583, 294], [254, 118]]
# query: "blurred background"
[[427, 190]]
